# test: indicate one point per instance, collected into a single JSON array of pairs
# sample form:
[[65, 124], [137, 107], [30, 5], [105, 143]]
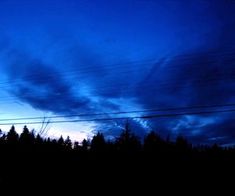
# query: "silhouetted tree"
[[54, 142], [61, 141], [38, 139], [68, 143], [76, 146], [85, 145], [182, 144], [127, 141], [98, 143], [26, 138], [153, 142], [12, 136]]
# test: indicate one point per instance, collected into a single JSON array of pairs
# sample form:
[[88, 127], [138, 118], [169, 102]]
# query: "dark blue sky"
[[69, 57]]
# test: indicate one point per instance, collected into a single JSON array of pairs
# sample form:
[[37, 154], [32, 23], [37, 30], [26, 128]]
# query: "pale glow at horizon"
[[76, 131]]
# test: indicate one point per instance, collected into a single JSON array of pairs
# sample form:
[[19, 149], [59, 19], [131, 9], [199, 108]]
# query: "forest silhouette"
[[29, 158]]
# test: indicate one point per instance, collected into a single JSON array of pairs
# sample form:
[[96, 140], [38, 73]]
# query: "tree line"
[[30, 160], [126, 143]]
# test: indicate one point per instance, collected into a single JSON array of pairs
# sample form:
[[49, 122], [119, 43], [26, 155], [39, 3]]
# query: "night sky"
[[85, 57]]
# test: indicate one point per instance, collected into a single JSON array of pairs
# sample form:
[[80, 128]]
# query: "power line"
[[124, 118], [125, 112]]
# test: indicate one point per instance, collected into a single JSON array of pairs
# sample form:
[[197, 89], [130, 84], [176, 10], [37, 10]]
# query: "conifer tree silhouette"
[[98, 143], [12, 136]]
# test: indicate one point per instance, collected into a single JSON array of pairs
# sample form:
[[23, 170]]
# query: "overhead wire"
[[123, 118], [86, 71], [215, 106]]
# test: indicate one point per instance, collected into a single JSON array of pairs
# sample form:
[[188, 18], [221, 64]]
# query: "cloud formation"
[[101, 66]]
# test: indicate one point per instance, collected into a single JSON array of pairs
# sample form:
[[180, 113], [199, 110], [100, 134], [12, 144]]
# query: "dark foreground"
[[29, 163], [84, 172]]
